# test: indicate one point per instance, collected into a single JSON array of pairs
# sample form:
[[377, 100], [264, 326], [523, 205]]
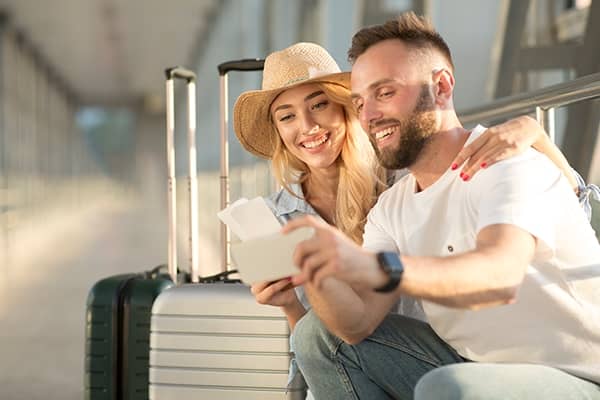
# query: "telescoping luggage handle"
[[190, 77], [248, 64]]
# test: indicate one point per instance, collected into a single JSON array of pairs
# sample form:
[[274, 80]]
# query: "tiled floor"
[[44, 281]]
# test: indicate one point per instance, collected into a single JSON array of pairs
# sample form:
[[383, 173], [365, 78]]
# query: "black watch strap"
[[390, 263]]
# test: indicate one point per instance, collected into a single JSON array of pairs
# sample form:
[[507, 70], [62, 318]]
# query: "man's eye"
[[358, 107], [387, 93]]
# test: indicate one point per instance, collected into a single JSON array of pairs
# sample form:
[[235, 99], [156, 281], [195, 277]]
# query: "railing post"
[[546, 119]]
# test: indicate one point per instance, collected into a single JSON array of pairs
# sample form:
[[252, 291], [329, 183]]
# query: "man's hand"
[[330, 253]]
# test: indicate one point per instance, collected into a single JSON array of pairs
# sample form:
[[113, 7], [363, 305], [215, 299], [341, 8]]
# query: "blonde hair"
[[361, 177]]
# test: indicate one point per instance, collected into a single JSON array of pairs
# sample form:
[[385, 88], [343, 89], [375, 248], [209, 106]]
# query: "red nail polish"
[[465, 177], [454, 166], [483, 165], [462, 174]]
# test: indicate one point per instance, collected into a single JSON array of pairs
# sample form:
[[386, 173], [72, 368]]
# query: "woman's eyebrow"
[[310, 96], [313, 95], [281, 107]]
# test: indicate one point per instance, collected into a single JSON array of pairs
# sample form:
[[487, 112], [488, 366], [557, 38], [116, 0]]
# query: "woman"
[[303, 120]]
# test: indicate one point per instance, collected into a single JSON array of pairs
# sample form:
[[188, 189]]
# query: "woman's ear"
[[443, 82]]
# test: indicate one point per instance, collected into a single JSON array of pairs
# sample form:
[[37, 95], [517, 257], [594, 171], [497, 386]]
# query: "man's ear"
[[443, 83]]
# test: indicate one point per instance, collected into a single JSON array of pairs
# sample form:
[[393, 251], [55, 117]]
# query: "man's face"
[[394, 105]]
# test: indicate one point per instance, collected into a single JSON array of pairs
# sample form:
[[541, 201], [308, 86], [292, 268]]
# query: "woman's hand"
[[509, 139], [498, 143], [279, 293]]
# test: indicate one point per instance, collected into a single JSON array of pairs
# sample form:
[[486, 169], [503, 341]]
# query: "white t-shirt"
[[555, 320]]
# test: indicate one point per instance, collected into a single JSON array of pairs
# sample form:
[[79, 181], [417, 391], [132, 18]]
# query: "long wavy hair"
[[361, 179]]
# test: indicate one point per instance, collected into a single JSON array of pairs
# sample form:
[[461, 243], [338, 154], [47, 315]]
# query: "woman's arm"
[[508, 139]]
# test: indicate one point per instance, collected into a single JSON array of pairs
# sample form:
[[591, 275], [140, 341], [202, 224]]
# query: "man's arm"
[[349, 314], [490, 274]]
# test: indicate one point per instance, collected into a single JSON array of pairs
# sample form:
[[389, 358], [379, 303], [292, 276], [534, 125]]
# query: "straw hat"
[[290, 67]]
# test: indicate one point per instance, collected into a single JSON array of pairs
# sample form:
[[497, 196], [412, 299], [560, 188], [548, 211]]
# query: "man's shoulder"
[[394, 192], [528, 166], [530, 157]]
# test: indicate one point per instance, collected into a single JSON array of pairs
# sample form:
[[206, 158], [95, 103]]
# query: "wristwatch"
[[390, 263]]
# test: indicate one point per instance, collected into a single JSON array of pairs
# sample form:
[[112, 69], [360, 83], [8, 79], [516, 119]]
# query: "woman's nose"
[[314, 130], [309, 126]]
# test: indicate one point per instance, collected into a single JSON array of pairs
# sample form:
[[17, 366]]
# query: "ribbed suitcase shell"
[[213, 341], [118, 334]]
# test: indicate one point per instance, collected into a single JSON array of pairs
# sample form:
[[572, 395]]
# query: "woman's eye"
[[285, 117], [320, 105]]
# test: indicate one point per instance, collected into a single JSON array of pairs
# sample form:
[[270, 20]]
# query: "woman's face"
[[311, 126]]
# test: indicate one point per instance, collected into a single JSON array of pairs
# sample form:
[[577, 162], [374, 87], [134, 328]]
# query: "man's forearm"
[[338, 306], [348, 313]]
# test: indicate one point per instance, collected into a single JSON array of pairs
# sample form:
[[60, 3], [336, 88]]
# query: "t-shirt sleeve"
[[378, 236], [524, 191]]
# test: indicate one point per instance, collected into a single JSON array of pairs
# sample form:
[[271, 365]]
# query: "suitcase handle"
[[246, 64], [190, 77], [181, 73]]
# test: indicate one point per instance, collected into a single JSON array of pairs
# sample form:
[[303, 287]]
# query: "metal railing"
[[542, 101]]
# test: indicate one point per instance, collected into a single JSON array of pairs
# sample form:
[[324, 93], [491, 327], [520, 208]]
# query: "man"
[[505, 263]]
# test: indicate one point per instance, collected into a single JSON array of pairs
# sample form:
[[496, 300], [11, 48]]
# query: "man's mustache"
[[383, 122]]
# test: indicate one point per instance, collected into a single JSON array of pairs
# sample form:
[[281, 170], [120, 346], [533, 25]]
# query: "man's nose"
[[369, 114]]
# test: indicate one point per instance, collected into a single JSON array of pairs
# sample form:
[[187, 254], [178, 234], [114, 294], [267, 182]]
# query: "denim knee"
[[472, 380], [310, 340], [438, 384], [450, 383]]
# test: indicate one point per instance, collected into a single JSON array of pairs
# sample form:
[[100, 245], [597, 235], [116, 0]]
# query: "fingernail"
[[465, 177], [483, 164], [462, 175], [454, 166]]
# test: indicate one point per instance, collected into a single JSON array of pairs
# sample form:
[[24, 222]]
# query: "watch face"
[[390, 262]]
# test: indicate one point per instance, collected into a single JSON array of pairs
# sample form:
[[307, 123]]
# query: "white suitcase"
[[213, 340]]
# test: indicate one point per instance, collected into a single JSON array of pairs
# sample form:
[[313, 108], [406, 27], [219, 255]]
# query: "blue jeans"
[[405, 359]]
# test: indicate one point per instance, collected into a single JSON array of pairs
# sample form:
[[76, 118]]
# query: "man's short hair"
[[415, 31]]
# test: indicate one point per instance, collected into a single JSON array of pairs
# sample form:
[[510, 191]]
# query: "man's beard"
[[414, 131]]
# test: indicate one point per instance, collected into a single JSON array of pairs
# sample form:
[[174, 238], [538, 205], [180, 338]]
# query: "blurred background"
[[82, 133]]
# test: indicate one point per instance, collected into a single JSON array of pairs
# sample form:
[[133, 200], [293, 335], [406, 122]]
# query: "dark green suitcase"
[[117, 342]]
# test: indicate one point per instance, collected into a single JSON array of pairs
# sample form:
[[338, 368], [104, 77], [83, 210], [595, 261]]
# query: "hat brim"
[[251, 114]]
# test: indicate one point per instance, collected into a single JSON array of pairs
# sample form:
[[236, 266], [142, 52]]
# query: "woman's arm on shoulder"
[[508, 139]]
